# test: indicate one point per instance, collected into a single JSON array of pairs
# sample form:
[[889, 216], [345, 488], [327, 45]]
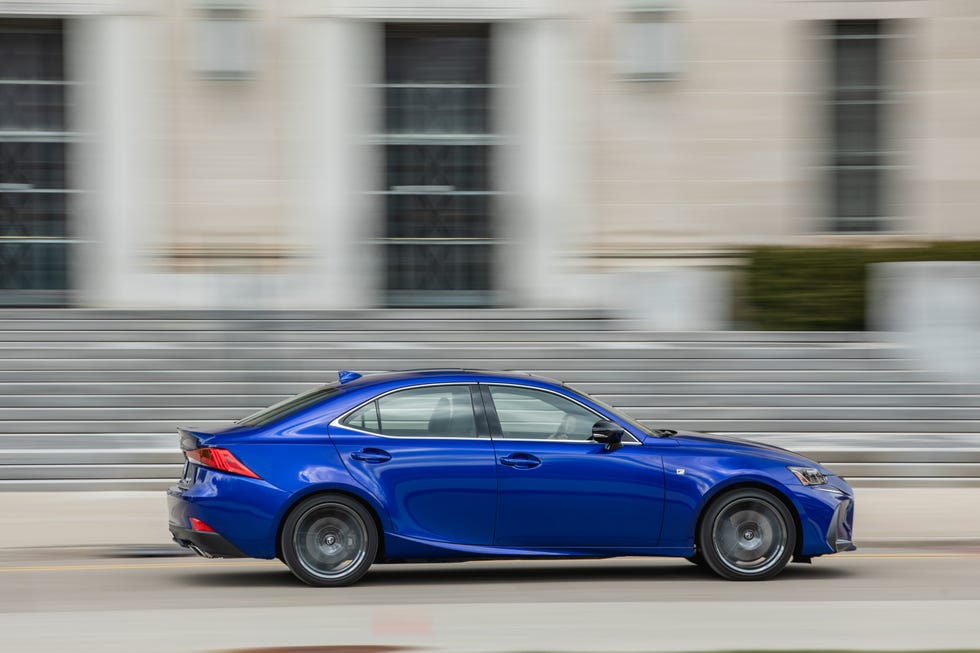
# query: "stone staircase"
[[90, 399]]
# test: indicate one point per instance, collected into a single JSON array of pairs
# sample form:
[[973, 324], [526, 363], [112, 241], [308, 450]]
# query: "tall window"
[[438, 233], [33, 145], [858, 102]]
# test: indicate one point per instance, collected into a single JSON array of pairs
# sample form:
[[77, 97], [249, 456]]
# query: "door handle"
[[520, 461], [371, 455]]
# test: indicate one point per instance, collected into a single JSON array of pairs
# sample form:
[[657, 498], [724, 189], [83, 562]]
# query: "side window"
[[444, 411], [533, 414], [365, 418]]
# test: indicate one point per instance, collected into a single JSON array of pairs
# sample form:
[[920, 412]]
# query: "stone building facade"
[[543, 153]]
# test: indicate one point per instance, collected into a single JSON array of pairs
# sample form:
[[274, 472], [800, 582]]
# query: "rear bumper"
[[208, 545]]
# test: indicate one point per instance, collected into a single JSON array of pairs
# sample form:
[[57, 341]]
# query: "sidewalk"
[[884, 517]]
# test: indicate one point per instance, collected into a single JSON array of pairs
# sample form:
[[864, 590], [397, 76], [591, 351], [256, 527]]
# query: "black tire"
[[747, 534], [329, 540]]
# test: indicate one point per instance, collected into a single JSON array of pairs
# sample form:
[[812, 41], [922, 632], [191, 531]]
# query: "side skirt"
[[405, 549]]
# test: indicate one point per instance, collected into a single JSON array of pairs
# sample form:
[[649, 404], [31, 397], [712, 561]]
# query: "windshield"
[[289, 406], [612, 411]]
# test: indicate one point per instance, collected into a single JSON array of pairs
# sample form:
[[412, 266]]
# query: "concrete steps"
[[90, 399]]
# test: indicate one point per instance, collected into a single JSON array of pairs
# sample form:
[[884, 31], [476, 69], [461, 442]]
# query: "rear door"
[[558, 488], [426, 454]]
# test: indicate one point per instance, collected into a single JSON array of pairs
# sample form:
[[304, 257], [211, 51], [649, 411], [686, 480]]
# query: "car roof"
[[445, 374]]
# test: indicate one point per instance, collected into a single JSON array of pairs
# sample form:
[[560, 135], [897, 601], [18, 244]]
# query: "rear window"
[[287, 407]]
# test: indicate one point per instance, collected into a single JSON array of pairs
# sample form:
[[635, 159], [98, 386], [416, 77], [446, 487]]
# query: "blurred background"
[[754, 217], [329, 154]]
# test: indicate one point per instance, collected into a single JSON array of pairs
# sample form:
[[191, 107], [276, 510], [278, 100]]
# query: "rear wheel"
[[747, 535], [329, 540]]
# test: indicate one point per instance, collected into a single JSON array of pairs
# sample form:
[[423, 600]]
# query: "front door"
[[421, 452], [559, 489]]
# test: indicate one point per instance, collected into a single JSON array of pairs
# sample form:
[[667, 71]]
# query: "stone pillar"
[[116, 61], [336, 65], [540, 161]]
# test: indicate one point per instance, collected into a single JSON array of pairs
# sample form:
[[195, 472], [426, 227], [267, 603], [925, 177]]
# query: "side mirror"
[[608, 433]]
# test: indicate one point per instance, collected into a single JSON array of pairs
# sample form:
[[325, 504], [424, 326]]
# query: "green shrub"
[[802, 288]]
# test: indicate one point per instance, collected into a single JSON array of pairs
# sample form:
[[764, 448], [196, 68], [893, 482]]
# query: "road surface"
[[80, 600]]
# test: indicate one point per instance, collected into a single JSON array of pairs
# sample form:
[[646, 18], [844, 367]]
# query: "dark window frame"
[[36, 238], [439, 238], [858, 159]]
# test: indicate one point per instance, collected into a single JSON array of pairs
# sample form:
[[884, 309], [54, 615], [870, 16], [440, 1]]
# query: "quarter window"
[[527, 414], [433, 412], [365, 418]]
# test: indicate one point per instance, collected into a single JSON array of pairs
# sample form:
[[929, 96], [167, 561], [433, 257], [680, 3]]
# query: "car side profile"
[[455, 464]]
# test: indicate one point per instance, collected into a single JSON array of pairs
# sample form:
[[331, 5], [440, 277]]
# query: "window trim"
[[496, 431], [479, 416]]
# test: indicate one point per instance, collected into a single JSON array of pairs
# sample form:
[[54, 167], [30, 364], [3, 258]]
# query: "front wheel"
[[329, 540], [747, 534]]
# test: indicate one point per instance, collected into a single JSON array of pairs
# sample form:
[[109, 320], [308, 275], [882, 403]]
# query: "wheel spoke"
[[749, 536], [728, 543], [330, 540]]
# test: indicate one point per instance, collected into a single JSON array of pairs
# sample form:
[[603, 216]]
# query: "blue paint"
[[470, 497], [346, 376]]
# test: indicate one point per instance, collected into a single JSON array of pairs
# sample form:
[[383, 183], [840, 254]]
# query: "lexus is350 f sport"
[[456, 464]]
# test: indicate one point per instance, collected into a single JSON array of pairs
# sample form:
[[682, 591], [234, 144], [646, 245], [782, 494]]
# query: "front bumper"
[[827, 517], [839, 533], [205, 544]]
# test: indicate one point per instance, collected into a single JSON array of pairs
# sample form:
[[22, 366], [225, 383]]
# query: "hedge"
[[802, 288]]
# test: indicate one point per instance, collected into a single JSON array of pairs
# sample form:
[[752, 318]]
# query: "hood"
[[726, 442]]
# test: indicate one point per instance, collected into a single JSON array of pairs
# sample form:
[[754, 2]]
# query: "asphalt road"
[[80, 600]]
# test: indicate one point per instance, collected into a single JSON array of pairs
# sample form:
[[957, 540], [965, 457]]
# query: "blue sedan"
[[456, 464]]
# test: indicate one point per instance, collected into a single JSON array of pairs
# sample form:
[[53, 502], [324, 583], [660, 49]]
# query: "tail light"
[[198, 525], [220, 459]]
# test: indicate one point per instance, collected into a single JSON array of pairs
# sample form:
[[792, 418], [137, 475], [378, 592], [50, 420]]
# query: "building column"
[[542, 210], [116, 62], [335, 63]]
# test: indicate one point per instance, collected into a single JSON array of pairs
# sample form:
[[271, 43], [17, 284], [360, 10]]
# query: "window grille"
[[858, 104], [438, 228], [34, 144]]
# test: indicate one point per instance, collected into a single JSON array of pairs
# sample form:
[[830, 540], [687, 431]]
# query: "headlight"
[[809, 475]]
